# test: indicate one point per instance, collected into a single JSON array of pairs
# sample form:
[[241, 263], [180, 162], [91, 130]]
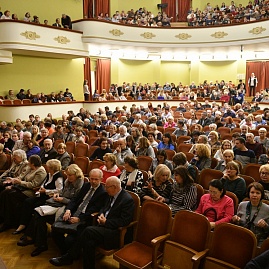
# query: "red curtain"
[[101, 6], [261, 71], [183, 8], [103, 75], [87, 74], [170, 10]]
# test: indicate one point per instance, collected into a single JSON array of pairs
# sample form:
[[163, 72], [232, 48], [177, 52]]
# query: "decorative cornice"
[[62, 39], [257, 30], [219, 34], [148, 35], [30, 35], [116, 32], [183, 36]]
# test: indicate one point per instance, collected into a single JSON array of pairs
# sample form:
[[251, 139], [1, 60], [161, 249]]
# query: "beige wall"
[[48, 9], [42, 75], [185, 72]]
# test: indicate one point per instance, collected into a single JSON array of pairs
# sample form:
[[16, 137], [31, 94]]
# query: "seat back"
[[194, 230], [96, 164], [233, 244], [214, 162], [207, 175], [144, 162], [182, 139], [170, 154], [248, 179], [234, 198], [92, 150], [93, 133], [81, 150], [137, 204], [252, 169], [155, 220], [200, 192], [83, 163], [57, 142], [70, 146], [184, 147], [169, 130]]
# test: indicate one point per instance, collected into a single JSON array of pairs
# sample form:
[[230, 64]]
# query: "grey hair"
[[21, 153], [114, 180], [97, 170], [27, 134]]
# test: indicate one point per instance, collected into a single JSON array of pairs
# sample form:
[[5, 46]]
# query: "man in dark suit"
[[48, 152], [57, 23], [90, 199], [117, 212], [204, 121]]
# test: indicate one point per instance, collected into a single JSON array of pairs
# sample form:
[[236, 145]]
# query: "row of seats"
[[23, 102], [185, 241]]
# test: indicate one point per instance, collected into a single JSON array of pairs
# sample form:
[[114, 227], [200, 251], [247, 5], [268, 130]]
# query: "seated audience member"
[[253, 214], [144, 148], [161, 158], [110, 167], [23, 144], [67, 93], [19, 167], [159, 187], [112, 132], [52, 184], [63, 156], [48, 152], [152, 141], [131, 144], [122, 151], [166, 142], [244, 130], [131, 178], [214, 142], [68, 133], [153, 128], [225, 144], [79, 136], [100, 152], [90, 199], [215, 205], [228, 156], [229, 123], [254, 145], [202, 139], [184, 193], [9, 143], [22, 187], [3, 157], [170, 123], [122, 133], [264, 179], [232, 181], [11, 95], [44, 134], [106, 233], [58, 134], [21, 95], [102, 134], [57, 23], [135, 134], [264, 158], [204, 120], [33, 148], [202, 158], [180, 130], [36, 232], [181, 159], [242, 153], [262, 138]]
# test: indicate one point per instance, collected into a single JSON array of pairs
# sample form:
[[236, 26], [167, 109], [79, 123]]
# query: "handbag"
[[64, 227], [213, 210], [53, 203]]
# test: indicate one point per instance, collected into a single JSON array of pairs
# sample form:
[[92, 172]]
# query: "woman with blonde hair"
[[160, 187], [110, 167], [214, 142], [144, 148], [225, 144], [202, 158]]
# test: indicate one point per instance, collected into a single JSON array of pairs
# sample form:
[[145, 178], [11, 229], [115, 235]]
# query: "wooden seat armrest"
[[123, 231], [155, 242], [199, 255]]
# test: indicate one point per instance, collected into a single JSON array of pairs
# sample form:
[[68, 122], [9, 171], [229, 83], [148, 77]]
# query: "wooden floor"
[[20, 258]]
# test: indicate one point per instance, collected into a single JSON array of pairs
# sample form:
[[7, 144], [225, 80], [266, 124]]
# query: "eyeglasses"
[[264, 173]]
